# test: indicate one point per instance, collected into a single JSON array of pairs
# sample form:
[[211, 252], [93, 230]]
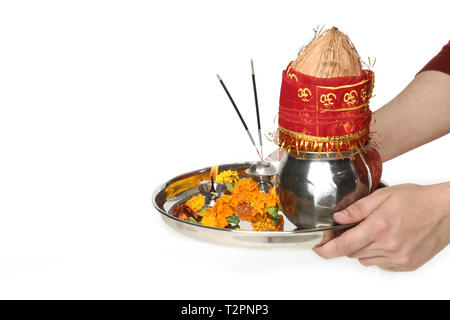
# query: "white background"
[[101, 101]]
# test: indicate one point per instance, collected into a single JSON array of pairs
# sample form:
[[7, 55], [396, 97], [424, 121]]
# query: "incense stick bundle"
[[240, 116]]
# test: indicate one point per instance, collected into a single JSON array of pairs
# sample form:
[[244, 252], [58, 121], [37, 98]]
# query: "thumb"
[[361, 209]]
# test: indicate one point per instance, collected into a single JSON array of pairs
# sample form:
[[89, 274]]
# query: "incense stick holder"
[[263, 174], [211, 194]]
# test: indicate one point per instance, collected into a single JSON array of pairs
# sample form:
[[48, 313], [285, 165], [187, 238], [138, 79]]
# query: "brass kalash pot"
[[324, 123]]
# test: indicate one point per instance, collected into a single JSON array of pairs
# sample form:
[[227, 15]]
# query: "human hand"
[[401, 227]]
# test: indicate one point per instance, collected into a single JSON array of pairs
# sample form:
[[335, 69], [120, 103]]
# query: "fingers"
[[368, 251], [379, 261], [361, 209], [349, 242], [383, 263]]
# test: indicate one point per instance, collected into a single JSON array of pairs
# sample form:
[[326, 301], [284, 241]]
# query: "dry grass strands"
[[330, 54]]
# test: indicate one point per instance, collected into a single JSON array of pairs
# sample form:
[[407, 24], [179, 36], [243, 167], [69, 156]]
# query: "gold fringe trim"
[[302, 136], [346, 109], [301, 142], [345, 86]]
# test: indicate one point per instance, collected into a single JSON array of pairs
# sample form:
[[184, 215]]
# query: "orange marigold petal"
[[196, 203]]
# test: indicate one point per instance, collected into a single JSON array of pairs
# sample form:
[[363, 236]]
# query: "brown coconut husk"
[[330, 54]]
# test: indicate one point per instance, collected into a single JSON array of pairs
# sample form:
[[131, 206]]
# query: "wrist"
[[442, 193]]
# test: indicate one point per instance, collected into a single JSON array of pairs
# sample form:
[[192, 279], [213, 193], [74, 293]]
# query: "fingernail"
[[341, 214]]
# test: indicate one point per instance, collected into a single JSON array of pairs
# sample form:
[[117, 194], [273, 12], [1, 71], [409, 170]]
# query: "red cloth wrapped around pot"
[[324, 114]]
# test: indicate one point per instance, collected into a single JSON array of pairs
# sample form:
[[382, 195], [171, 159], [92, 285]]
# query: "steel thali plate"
[[183, 187]]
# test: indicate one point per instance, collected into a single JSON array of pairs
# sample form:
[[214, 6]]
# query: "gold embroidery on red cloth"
[[291, 75], [346, 109], [345, 86], [351, 101], [349, 126], [350, 98], [304, 94], [327, 99], [371, 85], [364, 94], [305, 137]]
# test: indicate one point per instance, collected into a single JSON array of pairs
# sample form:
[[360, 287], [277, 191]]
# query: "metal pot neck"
[[350, 154]]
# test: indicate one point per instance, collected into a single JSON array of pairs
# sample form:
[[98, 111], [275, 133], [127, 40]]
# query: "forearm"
[[419, 114]]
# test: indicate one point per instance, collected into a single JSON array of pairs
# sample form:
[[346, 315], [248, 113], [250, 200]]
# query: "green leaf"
[[191, 219], [233, 219], [200, 213], [230, 186], [232, 227], [276, 221], [273, 211]]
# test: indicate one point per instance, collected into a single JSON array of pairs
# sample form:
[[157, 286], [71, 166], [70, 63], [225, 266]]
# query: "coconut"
[[330, 54]]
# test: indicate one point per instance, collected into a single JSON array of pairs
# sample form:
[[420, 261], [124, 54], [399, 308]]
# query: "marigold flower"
[[196, 203], [245, 201], [266, 224], [245, 191], [211, 219], [227, 176], [264, 201], [217, 215], [244, 212]]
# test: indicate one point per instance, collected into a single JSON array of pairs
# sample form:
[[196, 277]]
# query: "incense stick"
[[257, 108], [239, 114]]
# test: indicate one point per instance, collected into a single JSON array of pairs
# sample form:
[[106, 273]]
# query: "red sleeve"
[[441, 62]]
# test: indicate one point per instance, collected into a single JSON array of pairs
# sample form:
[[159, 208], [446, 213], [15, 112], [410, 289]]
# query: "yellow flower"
[[264, 201], [217, 215], [211, 219], [227, 176], [272, 198], [246, 201], [245, 191], [196, 203], [258, 205], [266, 224]]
